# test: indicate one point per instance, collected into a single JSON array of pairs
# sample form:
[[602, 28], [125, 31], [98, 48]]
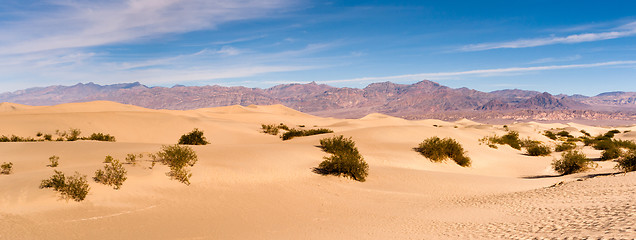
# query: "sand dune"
[[250, 185]]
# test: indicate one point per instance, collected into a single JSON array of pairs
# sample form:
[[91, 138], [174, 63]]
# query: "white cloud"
[[81, 24], [621, 31], [557, 59], [480, 72]]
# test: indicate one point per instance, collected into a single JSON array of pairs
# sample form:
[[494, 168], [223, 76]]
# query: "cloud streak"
[[620, 32], [481, 72], [81, 24]]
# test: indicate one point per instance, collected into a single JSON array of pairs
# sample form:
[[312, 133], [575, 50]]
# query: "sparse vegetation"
[[114, 174], [511, 139], [301, 132], [193, 138], [438, 150], [74, 187], [611, 153], [564, 147], [550, 135], [571, 162], [564, 133], [73, 134], [270, 129], [54, 160], [345, 159], [100, 137], [585, 133], [627, 163], [108, 159], [6, 168], [132, 159], [178, 157], [538, 149]]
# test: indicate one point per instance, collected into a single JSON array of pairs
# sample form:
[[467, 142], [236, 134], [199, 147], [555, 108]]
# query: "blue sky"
[[584, 47]]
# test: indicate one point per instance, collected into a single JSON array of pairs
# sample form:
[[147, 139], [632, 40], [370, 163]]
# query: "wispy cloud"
[[619, 32], [557, 59], [79, 24], [480, 72]]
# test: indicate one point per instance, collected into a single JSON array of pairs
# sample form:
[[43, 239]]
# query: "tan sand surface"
[[250, 185]]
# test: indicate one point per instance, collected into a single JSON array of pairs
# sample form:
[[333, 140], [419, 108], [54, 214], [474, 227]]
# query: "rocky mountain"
[[418, 100]]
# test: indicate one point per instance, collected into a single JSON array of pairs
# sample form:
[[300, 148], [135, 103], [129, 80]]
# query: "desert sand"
[[250, 185]]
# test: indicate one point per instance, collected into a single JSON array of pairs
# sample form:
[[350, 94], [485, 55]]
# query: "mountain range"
[[424, 99]]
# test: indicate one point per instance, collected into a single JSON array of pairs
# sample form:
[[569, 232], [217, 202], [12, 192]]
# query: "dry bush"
[[571, 162], [113, 174], [345, 159], [193, 138], [74, 187], [438, 150]]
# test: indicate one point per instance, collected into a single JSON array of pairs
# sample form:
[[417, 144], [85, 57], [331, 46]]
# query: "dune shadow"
[[541, 176]]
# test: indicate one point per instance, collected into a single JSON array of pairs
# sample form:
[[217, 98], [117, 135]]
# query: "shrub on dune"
[[611, 153], [54, 160], [193, 138], [113, 174], [74, 187], [571, 162], [178, 158], [345, 159], [564, 147], [438, 150], [627, 163], [301, 133], [538, 150], [6, 168]]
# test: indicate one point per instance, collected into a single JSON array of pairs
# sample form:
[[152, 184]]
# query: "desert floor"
[[250, 185]]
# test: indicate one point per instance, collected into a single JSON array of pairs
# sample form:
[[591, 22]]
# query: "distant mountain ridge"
[[418, 100]]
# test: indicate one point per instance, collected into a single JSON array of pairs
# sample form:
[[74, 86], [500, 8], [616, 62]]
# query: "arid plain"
[[251, 185]]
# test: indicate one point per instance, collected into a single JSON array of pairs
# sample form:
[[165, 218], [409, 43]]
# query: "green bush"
[[270, 129], [108, 159], [54, 160], [611, 153], [73, 134], [101, 137], [571, 162], [538, 150], [550, 135], [114, 174], [74, 187], [438, 150], [301, 133], [178, 158], [564, 134], [585, 133], [132, 159], [345, 159], [193, 138], [511, 139], [6, 168], [336, 144], [564, 147], [627, 163]]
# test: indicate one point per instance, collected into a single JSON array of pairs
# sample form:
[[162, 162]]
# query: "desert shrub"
[[344, 160], [538, 150], [193, 138], [178, 158], [571, 162], [627, 163], [114, 174], [6, 168], [283, 126], [511, 139], [131, 159], [48, 137], [629, 144], [101, 137], [585, 133], [74, 187], [438, 150], [108, 159], [54, 160], [550, 135], [14, 138], [270, 129], [564, 134], [564, 147], [301, 133], [526, 143], [336, 144], [611, 153], [73, 134]]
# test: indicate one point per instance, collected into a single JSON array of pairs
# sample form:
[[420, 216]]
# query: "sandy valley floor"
[[250, 185]]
